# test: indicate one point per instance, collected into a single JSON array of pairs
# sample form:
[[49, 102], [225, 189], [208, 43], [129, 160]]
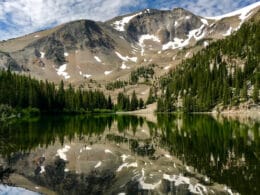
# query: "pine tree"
[[134, 101], [150, 98], [256, 93], [141, 103], [24, 92], [244, 92], [212, 76], [110, 103], [160, 105], [120, 101], [61, 97]]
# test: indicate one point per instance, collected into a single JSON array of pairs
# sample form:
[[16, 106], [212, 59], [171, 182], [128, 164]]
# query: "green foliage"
[[30, 112], [142, 72], [124, 103], [116, 85], [151, 97], [214, 76], [134, 102], [160, 105], [6, 111], [22, 92], [256, 92], [141, 103]]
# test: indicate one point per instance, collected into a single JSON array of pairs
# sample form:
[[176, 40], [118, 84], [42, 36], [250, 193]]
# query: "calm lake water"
[[122, 154]]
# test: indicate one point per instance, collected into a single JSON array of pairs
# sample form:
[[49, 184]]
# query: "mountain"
[[94, 54], [224, 76]]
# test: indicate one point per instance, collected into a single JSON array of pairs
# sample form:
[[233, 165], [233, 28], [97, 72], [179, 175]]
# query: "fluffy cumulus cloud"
[[19, 17], [202, 7], [215, 7]]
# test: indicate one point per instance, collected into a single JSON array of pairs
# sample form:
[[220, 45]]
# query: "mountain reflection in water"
[[207, 150]]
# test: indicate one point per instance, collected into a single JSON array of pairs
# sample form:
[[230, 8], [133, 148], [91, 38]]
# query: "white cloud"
[[214, 7], [25, 16], [19, 17]]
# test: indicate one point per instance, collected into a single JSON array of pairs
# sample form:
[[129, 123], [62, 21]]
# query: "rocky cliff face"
[[166, 25], [110, 50], [8, 61]]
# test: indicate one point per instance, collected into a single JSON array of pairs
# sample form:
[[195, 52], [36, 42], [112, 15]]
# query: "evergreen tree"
[[213, 76], [141, 103], [24, 92], [61, 96], [150, 98], [256, 93], [244, 92], [134, 101], [110, 103], [160, 105]]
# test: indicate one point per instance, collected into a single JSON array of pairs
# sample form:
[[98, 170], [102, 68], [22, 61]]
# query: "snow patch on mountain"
[[108, 72], [206, 43], [42, 54], [197, 34], [187, 54], [147, 11], [229, 31], [61, 71], [98, 164], [167, 67], [108, 151], [147, 186], [85, 75], [124, 157], [142, 38], [62, 152], [42, 170], [120, 24], [127, 165], [97, 59], [204, 21], [179, 180], [126, 58], [124, 66]]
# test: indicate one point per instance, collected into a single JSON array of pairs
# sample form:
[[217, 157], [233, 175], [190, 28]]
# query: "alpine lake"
[[130, 154]]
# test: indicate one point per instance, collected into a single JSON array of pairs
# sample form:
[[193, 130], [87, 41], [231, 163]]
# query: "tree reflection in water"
[[227, 151]]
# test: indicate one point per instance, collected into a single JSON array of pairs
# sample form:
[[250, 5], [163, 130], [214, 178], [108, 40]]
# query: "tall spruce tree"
[[134, 101]]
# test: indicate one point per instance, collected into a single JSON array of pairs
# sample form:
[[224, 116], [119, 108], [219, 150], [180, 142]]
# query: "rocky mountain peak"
[[110, 50]]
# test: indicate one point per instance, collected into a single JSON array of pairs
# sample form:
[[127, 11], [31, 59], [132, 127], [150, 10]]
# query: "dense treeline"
[[227, 72], [125, 103], [24, 92], [116, 85]]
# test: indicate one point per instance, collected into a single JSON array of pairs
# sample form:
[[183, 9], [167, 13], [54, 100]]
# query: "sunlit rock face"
[[170, 24], [89, 48]]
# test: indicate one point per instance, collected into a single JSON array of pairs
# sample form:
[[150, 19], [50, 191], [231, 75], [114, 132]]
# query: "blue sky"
[[20, 17]]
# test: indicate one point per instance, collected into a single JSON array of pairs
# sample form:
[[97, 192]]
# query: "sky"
[[20, 17]]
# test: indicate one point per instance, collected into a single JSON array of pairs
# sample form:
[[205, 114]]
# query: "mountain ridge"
[[93, 54]]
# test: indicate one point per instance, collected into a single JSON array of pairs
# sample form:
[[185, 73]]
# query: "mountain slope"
[[110, 50], [226, 73]]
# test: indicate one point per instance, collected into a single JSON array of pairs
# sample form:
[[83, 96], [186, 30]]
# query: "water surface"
[[113, 154]]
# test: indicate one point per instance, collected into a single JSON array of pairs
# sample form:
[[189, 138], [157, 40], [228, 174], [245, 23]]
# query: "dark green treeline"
[[24, 92], [126, 103]]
